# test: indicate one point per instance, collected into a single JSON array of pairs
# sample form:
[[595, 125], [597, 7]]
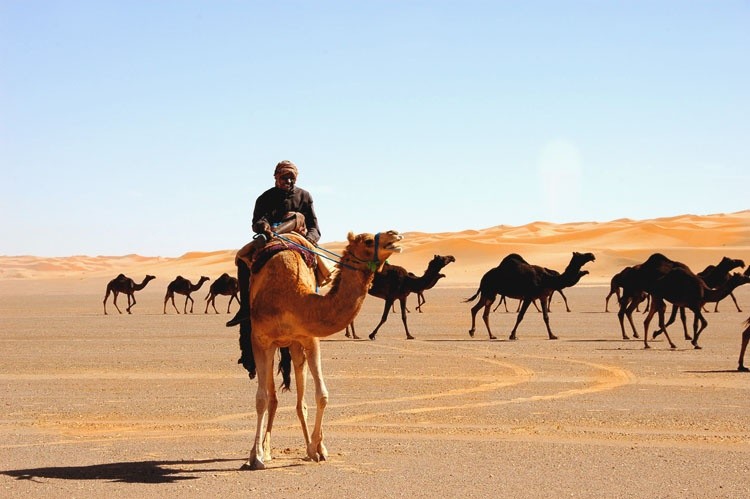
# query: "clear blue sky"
[[150, 127]]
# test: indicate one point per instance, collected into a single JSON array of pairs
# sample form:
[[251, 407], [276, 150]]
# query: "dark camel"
[[516, 278], [225, 285], [125, 285], [683, 288], [549, 304], [637, 283], [715, 275], [395, 283], [745, 339], [430, 284], [182, 286]]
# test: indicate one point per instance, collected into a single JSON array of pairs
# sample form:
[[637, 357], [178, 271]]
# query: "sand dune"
[[696, 240]]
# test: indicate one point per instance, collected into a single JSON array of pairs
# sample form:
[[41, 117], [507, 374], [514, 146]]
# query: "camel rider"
[[281, 209]]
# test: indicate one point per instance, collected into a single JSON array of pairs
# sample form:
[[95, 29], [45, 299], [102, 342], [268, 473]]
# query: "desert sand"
[[154, 405]]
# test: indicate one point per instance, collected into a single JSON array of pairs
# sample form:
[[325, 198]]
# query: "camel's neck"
[[196, 287], [338, 308], [140, 286], [718, 294]]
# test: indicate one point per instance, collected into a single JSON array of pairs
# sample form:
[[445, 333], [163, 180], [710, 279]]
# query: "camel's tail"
[[285, 369], [473, 297]]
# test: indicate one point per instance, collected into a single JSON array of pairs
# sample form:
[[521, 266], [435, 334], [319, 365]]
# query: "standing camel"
[[126, 285], [683, 288], [745, 339], [431, 284], [516, 278], [716, 275], [182, 286], [225, 285], [395, 283], [286, 310]]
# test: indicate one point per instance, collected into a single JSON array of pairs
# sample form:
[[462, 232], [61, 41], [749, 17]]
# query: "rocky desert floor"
[[154, 405]]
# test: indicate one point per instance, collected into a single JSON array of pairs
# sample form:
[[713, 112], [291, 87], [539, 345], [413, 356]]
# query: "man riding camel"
[[281, 209]]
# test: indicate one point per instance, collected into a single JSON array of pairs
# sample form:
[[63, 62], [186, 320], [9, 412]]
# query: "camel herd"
[[288, 313], [225, 285]]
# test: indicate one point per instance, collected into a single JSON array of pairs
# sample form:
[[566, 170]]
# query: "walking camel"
[[582, 273], [516, 278], [430, 284], [637, 284], [683, 288], [716, 275], [225, 285], [127, 286], [286, 310], [182, 286], [395, 283]]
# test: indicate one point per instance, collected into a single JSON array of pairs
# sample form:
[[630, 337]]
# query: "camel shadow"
[[153, 472], [718, 371]]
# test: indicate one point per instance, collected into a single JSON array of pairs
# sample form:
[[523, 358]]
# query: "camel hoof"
[[646, 347], [409, 337], [656, 333], [672, 346], [697, 347], [635, 335], [512, 337], [625, 337], [743, 369], [471, 333], [252, 465], [493, 337], [553, 337], [372, 336]]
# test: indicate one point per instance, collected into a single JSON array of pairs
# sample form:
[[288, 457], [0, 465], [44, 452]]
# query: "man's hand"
[[262, 227]]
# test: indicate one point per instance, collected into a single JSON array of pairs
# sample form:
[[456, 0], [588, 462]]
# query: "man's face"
[[286, 181]]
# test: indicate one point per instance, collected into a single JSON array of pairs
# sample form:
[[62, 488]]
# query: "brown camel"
[[286, 310], [395, 283], [745, 339], [683, 288], [636, 286], [225, 285], [516, 278], [126, 285], [182, 286], [715, 275]]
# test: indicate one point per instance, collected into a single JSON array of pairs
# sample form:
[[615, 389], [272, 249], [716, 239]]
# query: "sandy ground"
[[153, 405]]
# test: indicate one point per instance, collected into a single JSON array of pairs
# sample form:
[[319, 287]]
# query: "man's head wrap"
[[285, 167]]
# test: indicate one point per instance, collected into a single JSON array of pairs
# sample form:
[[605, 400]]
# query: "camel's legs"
[[166, 299], [316, 450], [388, 305], [131, 302], [524, 307], [299, 362], [657, 305], [264, 369], [612, 291], [481, 303], [502, 301], [114, 300], [187, 297], [743, 347], [233, 297], [698, 330], [353, 334], [545, 315], [402, 301], [671, 320], [487, 303], [565, 299]]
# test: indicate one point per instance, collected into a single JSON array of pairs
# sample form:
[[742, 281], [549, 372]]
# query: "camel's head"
[[438, 261], [737, 279], [149, 278], [582, 258], [373, 249], [731, 263]]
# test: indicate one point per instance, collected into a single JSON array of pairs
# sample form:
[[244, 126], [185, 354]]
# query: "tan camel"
[[745, 339], [225, 285], [125, 285], [182, 286], [286, 311]]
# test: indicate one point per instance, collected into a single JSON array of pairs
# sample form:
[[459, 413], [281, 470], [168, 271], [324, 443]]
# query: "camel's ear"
[[350, 237]]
